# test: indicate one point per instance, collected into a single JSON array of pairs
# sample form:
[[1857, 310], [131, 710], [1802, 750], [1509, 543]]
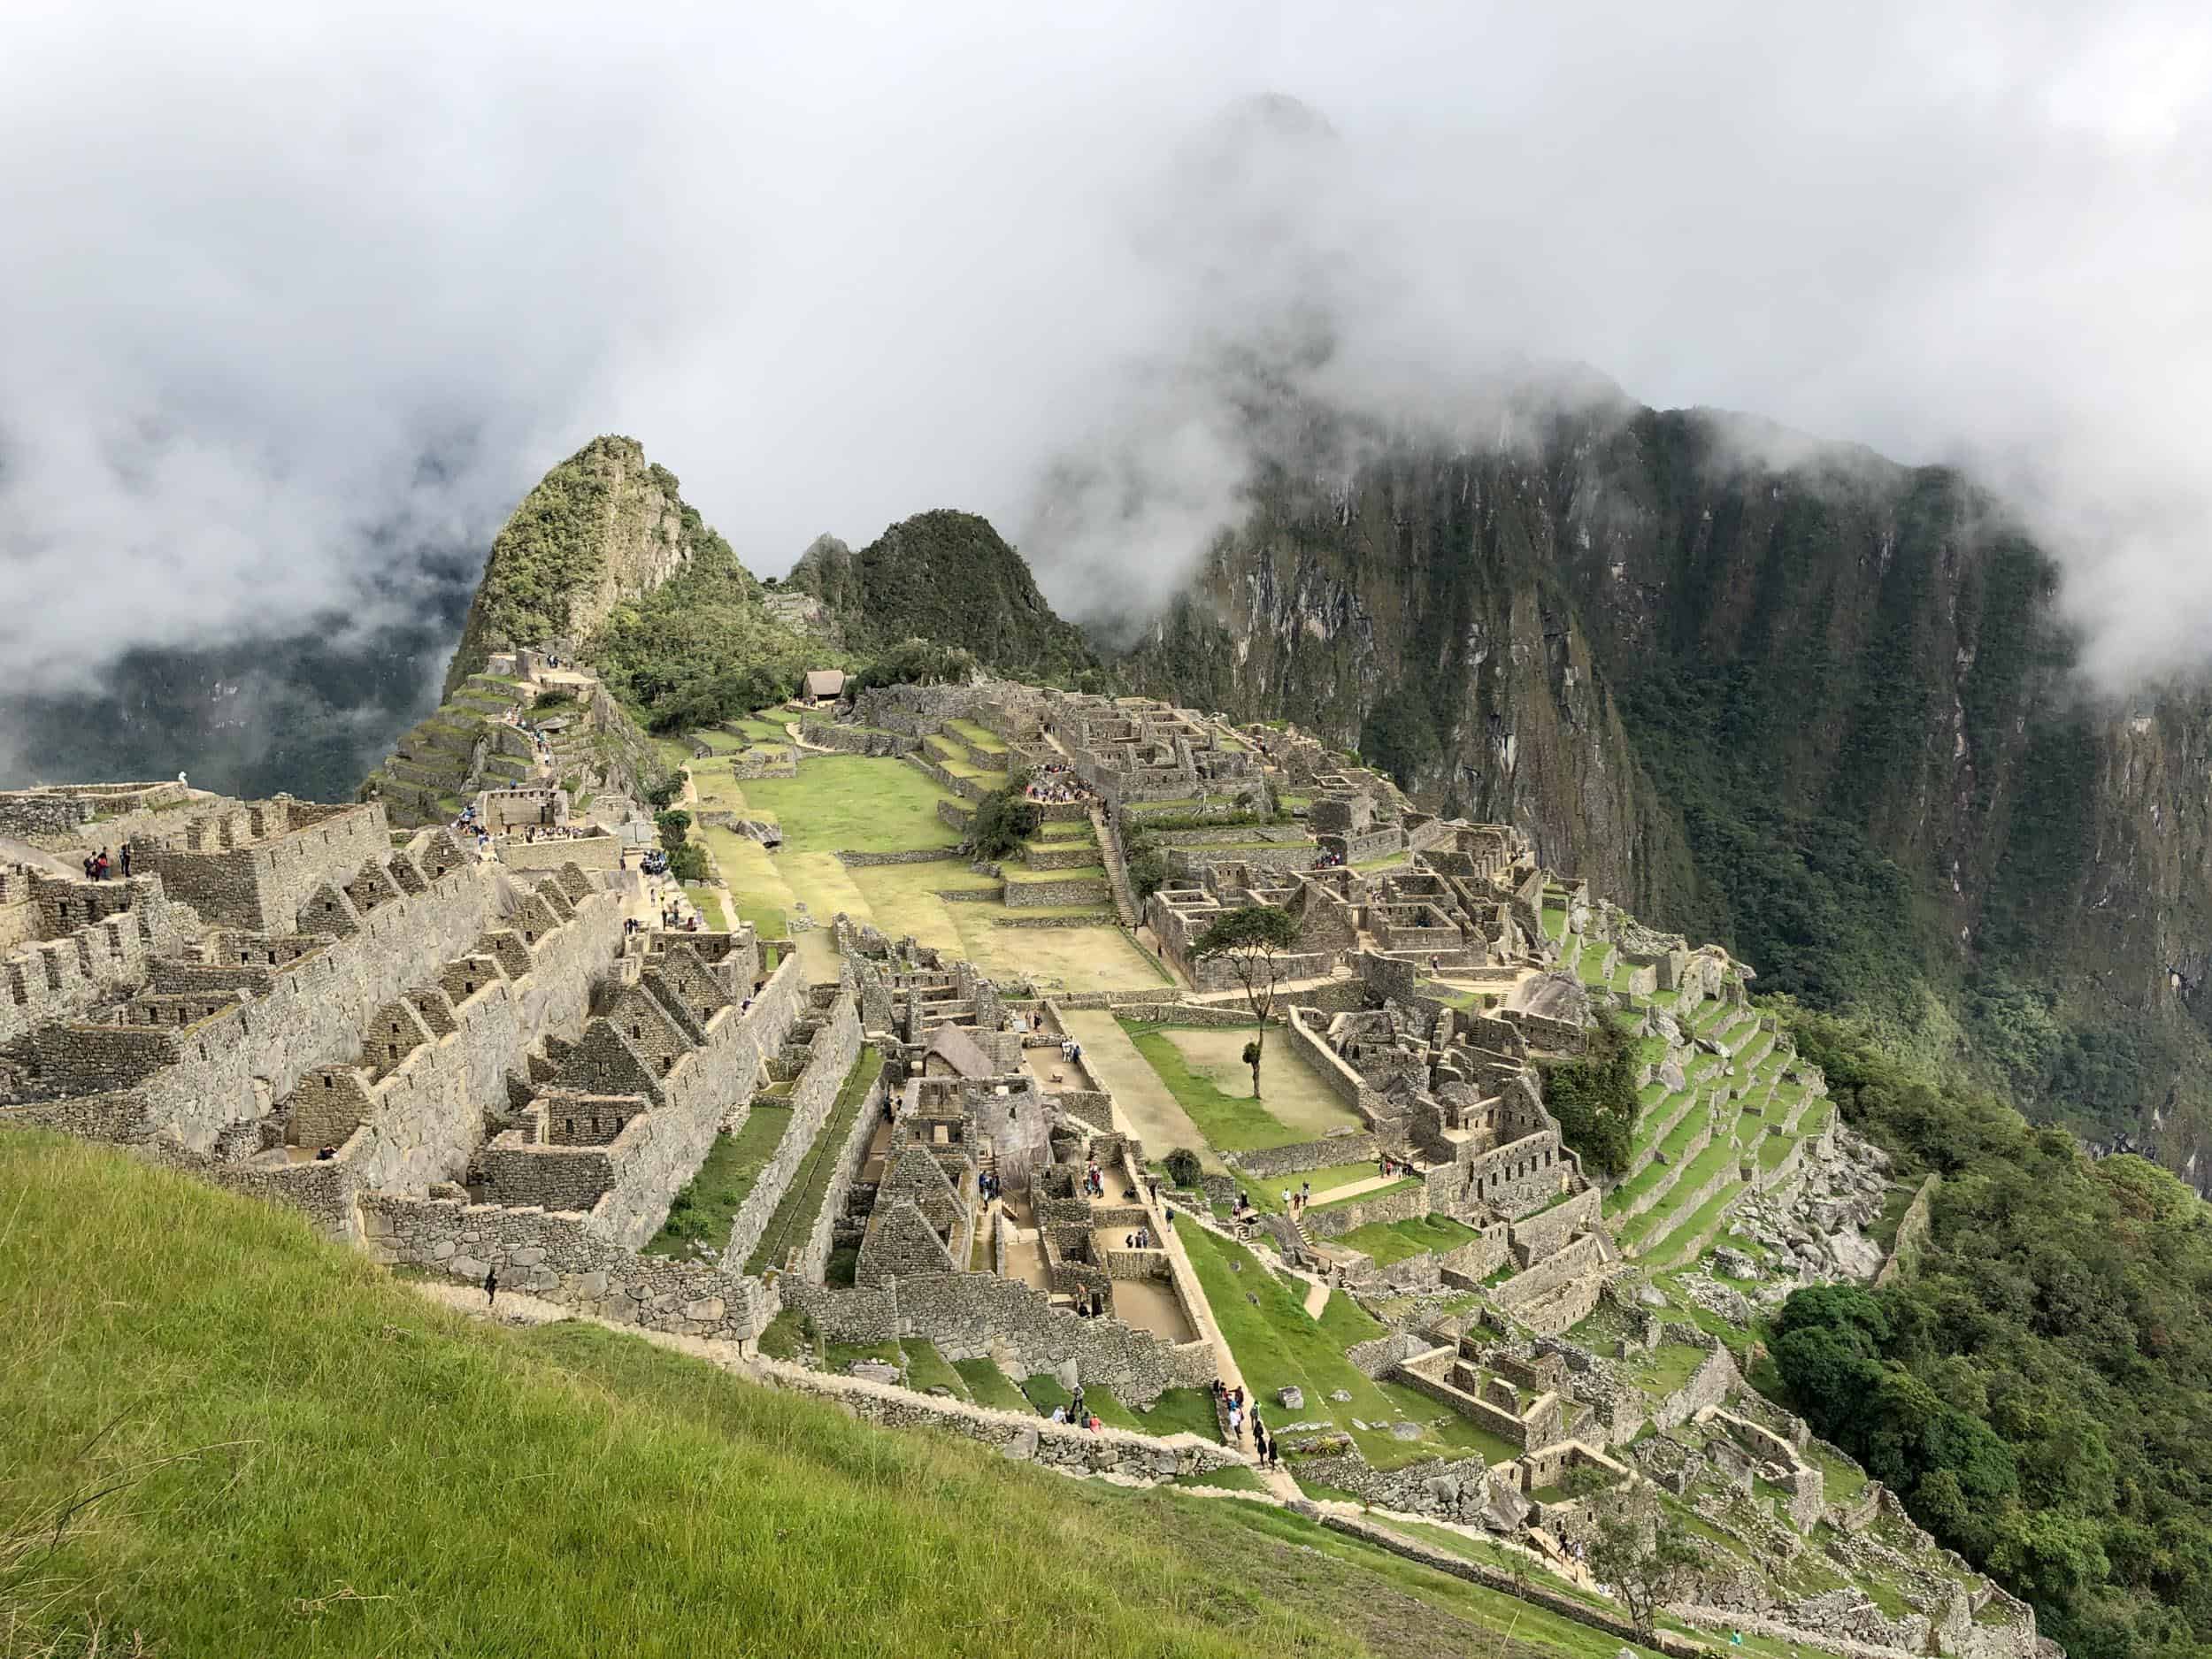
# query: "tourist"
[[126, 861], [1236, 1422], [1094, 1424], [1075, 1404], [1059, 1413], [491, 1285], [1305, 1193], [87, 866], [1287, 1205], [1169, 1218]]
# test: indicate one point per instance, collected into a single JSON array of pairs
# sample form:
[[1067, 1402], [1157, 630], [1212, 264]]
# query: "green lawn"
[[801, 1201], [926, 1368], [977, 738], [988, 1386], [702, 1213], [708, 901], [853, 803], [229, 1436], [1233, 1122], [1385, 1242], [1277, 1342]]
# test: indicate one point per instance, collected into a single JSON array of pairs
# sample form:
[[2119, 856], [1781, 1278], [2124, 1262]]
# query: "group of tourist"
[[1073, 1412], [1236, 1410], [1141, 1240], [95, 864], [1071, 1050], [1329, 860], [1094, 1182], [1057, 785], [559, 831], [986, 1185], [1296, 1199]]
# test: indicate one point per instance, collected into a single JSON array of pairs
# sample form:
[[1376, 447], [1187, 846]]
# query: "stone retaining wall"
[[1405, 1203], [557, 1256], [1455, 1490], [813, 1258], [1018, 1435], [1267, 1162], [1034, 894], [979, 1315], [836, 1047], [851, 740], [594, 853], [920, 856]]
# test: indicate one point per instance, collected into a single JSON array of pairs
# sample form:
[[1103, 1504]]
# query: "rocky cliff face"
[[1792, 696], [603, 527]]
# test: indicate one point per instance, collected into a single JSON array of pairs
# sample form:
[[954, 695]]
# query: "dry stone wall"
[[1018, 1435], [133, 1084], [976, 1316], [836, 1047]]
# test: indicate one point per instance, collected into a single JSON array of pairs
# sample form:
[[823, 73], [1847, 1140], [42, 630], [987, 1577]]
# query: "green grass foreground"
[[226, 1436]]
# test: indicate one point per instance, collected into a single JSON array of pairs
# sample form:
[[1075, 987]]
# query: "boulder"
[[1291, 1399], [1023, 1445], [1405, 1431], [875, 1371], [1504, 1510], [1343, 1396]]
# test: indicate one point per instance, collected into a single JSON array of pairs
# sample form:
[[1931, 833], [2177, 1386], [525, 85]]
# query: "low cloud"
[[295, 294]]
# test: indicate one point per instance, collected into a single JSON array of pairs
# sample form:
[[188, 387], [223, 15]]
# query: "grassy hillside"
[[225, 1436]]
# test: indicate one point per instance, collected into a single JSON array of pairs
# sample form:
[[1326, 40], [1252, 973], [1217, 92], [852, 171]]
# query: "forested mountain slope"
[[949, 578]]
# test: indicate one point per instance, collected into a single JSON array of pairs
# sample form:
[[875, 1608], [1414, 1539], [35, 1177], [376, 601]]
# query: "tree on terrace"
[[1646, 1555], [1249, 939]]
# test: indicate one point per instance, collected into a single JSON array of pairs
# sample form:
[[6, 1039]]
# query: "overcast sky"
[[277, 278]]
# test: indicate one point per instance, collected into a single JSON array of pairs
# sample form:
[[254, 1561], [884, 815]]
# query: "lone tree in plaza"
[[1249, 939]]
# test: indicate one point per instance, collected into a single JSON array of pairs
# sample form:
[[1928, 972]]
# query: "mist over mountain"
[[838, 271]]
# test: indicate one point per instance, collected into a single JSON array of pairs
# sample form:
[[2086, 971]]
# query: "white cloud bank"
[[280, 278]]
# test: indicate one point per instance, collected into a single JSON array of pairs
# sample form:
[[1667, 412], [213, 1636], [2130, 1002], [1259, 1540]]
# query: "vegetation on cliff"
[[949, 578], [699, 648], [2038, 1387]]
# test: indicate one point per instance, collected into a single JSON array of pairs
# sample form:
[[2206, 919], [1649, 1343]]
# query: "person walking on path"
[[491, 1285]]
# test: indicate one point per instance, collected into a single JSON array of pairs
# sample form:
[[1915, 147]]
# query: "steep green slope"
[[603, 527], [2037, 1386], [605, 554], [224, 1436], [949, 578], [1791, 696]]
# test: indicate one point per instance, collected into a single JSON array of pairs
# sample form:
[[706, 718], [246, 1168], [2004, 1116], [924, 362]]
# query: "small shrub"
[[1183, 1167]]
